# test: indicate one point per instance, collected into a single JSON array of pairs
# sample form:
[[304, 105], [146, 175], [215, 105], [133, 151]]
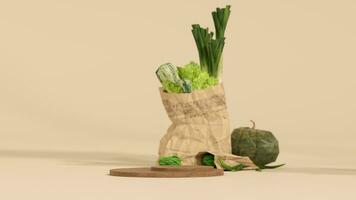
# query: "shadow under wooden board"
[[168, 172]]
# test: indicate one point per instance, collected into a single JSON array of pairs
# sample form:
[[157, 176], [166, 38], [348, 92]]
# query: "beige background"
[[78, 76]]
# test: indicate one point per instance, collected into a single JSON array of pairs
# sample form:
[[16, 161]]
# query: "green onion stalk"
[[210, 49]]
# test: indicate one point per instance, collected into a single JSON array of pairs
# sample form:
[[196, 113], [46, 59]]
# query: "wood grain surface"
[[168, 172]]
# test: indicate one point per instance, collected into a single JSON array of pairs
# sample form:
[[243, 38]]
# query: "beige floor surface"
[[83, 175]]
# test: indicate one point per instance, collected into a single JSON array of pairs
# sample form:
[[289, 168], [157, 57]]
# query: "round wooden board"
[[182, 168], [168, 172]]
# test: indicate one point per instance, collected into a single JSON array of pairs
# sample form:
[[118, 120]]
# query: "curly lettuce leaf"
[[171, 87], [199, 79]]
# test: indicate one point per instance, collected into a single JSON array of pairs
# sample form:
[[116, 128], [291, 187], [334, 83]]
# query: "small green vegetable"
[[231, 168], [171, 87], [170, 161], [271, 166], [208, 160]]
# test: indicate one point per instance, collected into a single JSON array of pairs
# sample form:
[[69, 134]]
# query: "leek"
[[210, 50]]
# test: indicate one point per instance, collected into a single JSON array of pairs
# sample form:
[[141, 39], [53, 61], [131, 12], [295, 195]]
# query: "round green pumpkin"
[[259, 145]]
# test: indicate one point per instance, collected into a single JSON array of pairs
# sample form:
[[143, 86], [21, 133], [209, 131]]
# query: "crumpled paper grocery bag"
[[200, 123]]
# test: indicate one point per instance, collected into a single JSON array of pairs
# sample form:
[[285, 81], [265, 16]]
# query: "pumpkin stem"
[[253, 124]]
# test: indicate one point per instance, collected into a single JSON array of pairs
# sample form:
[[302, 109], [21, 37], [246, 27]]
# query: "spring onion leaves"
[[210, 49]]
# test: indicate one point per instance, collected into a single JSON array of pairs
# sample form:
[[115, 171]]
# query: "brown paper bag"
[[200, 123]]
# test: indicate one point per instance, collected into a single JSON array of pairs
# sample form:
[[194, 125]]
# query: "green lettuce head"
[[199, 79]]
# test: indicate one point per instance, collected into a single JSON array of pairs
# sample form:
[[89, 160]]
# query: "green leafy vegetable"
[[210, 50], [220, 17], [198, 79], [171, 87], [184, 79], [227, 167], [167, 74], [170, 161], [208, 160], [271, 166]]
